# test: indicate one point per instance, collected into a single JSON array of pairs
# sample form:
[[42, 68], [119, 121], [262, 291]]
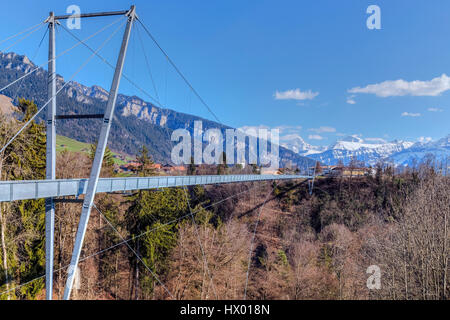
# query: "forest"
[[256, 240]]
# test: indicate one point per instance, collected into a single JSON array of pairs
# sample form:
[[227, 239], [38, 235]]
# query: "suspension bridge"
[[56, 190]]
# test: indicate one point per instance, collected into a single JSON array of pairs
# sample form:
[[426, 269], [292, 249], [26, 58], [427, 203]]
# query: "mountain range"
[[136, 122], [402, 153]]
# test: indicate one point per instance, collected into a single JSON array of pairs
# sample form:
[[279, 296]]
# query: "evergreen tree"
[[108, 157], [192, 168], [151, 215], [222, 167], [24, 159], [145, 163]]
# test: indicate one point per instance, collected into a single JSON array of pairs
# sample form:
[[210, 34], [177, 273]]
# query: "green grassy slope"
[[64, 143]]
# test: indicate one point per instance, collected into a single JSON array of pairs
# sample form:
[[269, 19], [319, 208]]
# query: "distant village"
[[131, 167], [345, 171], [166, 169]]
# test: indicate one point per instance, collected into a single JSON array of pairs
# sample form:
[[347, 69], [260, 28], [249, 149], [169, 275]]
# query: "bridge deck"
[[35, 189]]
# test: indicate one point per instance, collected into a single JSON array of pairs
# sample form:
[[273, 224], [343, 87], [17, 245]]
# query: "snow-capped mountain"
[[353, 147], [403, 153], [346, 149], [439, 150], [295, 143]]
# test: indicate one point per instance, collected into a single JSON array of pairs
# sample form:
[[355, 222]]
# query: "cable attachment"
[[311, 183], [131, 14], [51, 19]]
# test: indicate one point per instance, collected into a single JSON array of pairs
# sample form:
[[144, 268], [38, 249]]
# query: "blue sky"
[[330, 71]]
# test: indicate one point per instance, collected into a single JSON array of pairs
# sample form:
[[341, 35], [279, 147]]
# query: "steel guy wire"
[[135, 253], [178, 70], [251, 244], [130, 239], [58, 56], [24, 37], [205, 260], [62, 87], [21, 32]]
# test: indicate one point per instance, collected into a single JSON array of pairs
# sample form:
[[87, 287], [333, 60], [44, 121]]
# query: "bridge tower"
[[50, 170], [51, 116]]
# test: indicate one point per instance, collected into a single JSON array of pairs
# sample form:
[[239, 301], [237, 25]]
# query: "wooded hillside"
[[259, 240]]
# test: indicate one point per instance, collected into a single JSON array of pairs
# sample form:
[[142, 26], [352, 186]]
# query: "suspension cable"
[[205, 260], [23, 38], [311, 184], [135, 253], [147, 63], [130, 239], [22, 32], [112, 67], [61, 54], [164, 110], [32, 59], [178, 70], [251, 244], [65, 84]]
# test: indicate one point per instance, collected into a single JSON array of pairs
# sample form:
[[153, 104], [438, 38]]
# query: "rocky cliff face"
[[7, 108]]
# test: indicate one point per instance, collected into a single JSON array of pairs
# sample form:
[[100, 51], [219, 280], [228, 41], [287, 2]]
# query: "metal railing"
[[36, 189]]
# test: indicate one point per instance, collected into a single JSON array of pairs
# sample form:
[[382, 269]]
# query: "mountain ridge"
[[136, 121], [399, 152]]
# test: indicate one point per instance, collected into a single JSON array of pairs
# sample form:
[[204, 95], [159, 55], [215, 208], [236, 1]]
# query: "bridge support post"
[[99, 153], [50, 158]]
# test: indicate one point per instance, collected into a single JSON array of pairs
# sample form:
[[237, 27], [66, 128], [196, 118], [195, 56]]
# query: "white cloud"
[[401, 87], [252, 130], [284, 130], [351, 100], [295, 94], [425, 139], [290, 137], [261, 126], [315, 137], [409, 114], [375, 140], [289, 128], [435, 110], [247, 128], [323, 129]]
